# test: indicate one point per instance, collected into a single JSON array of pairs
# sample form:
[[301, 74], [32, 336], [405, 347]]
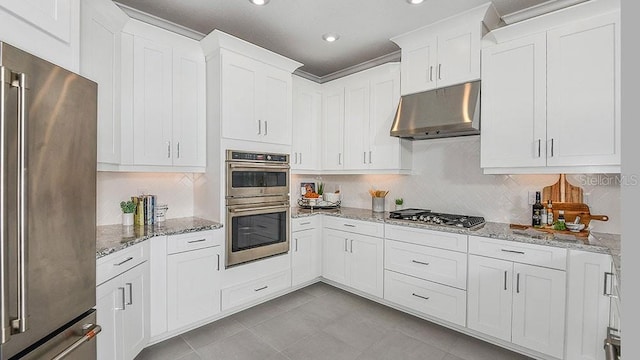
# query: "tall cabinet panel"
[[356, 124], [239, 96], [584, 68], [386, 152], [333, 128], [514, 113], [307, 113], [152, 102], [100, 60]]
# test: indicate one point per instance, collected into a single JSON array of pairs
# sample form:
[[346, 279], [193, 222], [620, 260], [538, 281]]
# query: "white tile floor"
[[323, 322]]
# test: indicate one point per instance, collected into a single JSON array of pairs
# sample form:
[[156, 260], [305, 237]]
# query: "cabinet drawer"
[[439, 239], [429, 298], [252, 290], [441, 266], [304, 223], [355, 226], [539, 255], [194, 241], [115, 264]]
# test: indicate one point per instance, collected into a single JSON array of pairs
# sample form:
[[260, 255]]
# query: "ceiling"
[[294, 28]]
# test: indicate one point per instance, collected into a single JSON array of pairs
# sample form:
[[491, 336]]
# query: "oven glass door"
[[256, 180], [256, 232]]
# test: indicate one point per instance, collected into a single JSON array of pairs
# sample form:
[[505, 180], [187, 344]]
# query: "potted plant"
[[399, 203], [128, 209]]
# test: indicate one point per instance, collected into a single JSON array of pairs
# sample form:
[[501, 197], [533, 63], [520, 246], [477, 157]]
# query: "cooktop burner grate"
[[429, 217]]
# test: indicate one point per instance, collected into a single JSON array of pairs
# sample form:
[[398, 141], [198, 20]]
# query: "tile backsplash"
[[173, 189], [447, 177]]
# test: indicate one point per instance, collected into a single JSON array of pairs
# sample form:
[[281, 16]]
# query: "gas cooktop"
[[429, 217]]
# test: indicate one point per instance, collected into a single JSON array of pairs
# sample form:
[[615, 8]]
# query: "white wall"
[[175, 190], [447, 178]]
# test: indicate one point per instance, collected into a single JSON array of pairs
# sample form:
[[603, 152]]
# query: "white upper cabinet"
[[163, 112], [583, 95], [307, 112], [551, 93], [46, 28], [251, 90], [256, 100], [358, 114], [101, 26], [514, 117], [333, 126], [445, 53]]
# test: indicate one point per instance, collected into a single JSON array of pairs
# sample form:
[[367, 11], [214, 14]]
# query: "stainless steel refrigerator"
[[47, 210]]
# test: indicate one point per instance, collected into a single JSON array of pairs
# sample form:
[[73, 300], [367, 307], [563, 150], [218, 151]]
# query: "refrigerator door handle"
[[90, 333], [20, 324], [5, 326]]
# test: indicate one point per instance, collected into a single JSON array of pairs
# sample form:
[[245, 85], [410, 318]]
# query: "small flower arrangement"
[[399, 201]]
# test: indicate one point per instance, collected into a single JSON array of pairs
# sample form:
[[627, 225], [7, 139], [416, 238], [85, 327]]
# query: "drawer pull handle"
[[123, 261], [196, 241], [306, 223], [513, 251], [420, 296], [262, 288], [420, 262], [349, 225]]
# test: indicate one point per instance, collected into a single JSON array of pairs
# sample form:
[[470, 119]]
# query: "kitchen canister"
[[377, 204]]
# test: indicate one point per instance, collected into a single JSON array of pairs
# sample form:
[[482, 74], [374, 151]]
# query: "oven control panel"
[[251, 156]]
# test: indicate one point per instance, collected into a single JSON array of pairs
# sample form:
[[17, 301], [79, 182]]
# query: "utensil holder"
[[377, 204]]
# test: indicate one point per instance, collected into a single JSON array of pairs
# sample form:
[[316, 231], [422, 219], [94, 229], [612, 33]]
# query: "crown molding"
[[537, 10], [391, 57], [160, 22]]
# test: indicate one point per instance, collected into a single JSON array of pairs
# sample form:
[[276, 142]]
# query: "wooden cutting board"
[[562, 191], [571, 210], [582, 234]]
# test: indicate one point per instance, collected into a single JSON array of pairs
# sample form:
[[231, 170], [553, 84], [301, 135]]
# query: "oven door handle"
[[259, 166], [258, 208]]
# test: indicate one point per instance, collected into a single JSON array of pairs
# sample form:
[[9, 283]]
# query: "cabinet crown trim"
[[218, 39]]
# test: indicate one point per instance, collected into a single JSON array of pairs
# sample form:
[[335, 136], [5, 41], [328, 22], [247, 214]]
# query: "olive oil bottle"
[[536, 212]]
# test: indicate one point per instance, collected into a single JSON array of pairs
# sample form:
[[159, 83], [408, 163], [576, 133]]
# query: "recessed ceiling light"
[[415, 2], [259, 2], [330, 37]]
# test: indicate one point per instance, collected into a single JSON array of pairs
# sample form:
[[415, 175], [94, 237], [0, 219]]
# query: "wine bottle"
[[536, 213]]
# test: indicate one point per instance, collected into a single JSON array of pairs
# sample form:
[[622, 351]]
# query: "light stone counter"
[[596, 242], [112, 238]]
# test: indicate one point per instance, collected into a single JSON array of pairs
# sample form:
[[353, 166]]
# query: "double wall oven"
[[257, 205]]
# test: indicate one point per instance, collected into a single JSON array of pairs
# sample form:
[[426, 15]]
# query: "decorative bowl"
[[574, 227]]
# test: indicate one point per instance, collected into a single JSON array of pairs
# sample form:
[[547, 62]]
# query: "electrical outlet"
[[532, 197]]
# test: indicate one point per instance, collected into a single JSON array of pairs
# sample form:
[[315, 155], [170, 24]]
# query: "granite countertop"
[[596, 242], [111, 238]]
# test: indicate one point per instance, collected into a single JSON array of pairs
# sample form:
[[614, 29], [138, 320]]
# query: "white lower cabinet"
[[306, 250], [517, 302], [123, 314], [433, 299], [354, 260], [253, 290], [193, 286], [589, 304], [185, 288]]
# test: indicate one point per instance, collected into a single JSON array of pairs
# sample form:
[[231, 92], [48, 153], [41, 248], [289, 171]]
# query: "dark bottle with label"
[[536, 213]]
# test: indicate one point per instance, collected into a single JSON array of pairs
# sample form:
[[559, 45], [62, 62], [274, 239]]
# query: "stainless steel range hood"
[[446, 112]]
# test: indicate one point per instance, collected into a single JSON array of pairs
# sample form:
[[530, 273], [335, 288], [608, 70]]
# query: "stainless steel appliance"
[[47, 210], [446, 112], [257, 199], [429, 217]]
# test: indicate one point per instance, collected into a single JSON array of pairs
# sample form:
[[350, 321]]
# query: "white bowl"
[[331, 197], [574, 227]]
